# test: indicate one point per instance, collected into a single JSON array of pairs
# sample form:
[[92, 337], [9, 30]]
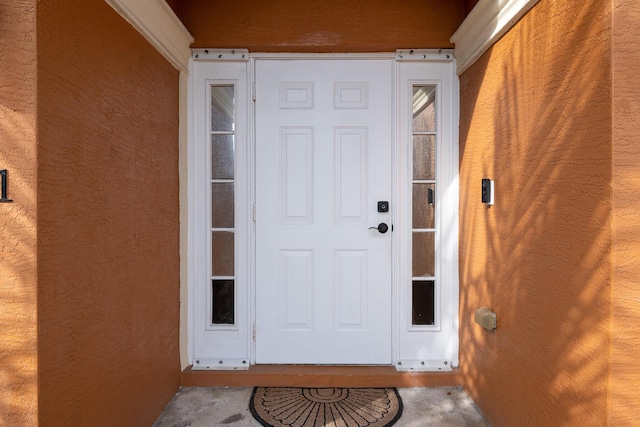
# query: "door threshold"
[[319, 376]]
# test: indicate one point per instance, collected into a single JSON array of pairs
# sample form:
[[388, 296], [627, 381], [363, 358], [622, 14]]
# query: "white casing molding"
[[186, 214], [488, 21], [155, 20]]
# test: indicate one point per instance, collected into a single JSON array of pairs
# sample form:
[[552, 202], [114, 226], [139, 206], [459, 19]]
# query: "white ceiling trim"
[[155, 20], [488, 21]]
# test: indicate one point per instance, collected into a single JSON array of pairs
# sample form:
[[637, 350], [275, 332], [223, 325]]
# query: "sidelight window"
[[222, 135], [423, 131]]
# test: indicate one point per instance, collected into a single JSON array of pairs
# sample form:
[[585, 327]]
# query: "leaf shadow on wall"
[[536, 118], [18, 293]]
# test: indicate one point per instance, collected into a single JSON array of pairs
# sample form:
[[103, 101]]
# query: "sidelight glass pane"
[[423, 266], [222, 205], [222, 100], [423, 303], [423, 254], [424, 157], [222, 302], [222, 249], [423, 211], [424, 109], [222, 156]]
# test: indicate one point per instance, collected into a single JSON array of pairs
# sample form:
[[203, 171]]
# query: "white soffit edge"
[[155, 20], [488, 21]]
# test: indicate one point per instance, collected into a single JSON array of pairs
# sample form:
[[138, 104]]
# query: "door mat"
[[320, 407]]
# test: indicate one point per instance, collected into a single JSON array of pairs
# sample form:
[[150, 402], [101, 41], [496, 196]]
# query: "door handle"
[[382, 228]]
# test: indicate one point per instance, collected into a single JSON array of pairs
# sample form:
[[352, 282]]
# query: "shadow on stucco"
[[536, 118], [18, 377]]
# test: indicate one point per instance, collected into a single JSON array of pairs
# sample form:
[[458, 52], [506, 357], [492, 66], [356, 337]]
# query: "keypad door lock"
[[383, 206]]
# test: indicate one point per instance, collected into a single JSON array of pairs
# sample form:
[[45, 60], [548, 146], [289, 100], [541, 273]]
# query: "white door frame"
[[246, 247]]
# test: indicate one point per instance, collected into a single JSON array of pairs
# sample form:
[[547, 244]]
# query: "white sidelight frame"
[[414, 348], [433, 347], [219, 346]]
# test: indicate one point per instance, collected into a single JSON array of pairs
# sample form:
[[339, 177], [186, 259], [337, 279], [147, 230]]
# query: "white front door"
[[323, 185]]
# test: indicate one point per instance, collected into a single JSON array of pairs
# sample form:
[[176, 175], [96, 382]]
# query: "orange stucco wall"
[[322, 26], [536, 118], [108, 229], [18, 321], [625, 372]]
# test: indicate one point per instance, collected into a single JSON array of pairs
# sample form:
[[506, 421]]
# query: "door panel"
[[323, 161]]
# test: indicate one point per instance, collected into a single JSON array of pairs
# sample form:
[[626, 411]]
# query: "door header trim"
[[220, 54], [441, 55], [446, 55]]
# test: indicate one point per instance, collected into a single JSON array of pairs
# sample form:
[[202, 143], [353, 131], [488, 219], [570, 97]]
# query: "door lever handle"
[[382, 228]]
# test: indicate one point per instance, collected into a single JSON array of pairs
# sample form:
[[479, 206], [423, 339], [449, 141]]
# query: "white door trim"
[[375, 55], [248, 243], [319, 56]]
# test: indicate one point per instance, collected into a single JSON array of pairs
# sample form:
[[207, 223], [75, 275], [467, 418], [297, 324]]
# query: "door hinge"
[[254, 212], [254, 331], [253, 91]]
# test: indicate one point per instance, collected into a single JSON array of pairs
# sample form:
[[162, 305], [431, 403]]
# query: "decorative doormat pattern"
[[324, 407]]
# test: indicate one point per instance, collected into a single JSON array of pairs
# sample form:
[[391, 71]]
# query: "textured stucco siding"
[[18, 293], [625, 373], [322, 26], [108, 228], [536, 118]]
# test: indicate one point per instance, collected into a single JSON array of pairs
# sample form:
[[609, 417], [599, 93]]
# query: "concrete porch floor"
[[221, 406]]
